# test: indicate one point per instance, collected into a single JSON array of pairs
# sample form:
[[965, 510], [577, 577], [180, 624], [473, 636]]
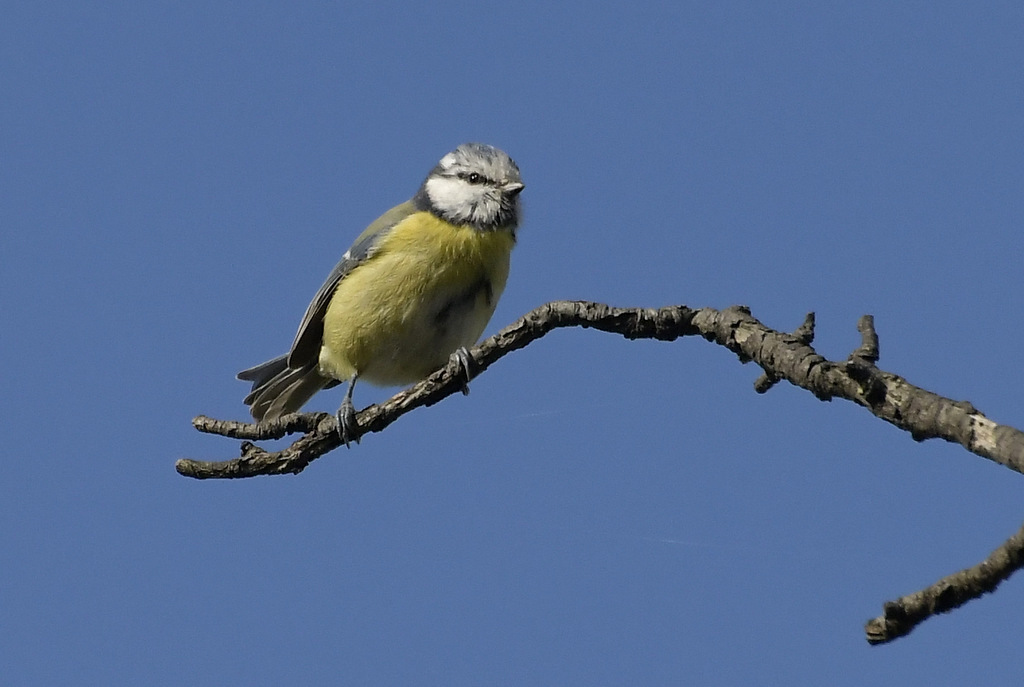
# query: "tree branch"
[[781, 356], [904, 614]]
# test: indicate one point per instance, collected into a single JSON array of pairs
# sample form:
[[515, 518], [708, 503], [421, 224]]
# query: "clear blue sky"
[[178, 177]]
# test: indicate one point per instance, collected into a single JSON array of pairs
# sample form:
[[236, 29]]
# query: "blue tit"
[[417, 287]]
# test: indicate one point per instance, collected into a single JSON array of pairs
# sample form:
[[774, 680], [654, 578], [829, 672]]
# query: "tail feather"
[[278, 389]]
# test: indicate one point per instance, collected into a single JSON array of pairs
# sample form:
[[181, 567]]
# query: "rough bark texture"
[[781, 356]]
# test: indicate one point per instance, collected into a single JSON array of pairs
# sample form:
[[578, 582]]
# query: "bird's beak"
[[513, 187]]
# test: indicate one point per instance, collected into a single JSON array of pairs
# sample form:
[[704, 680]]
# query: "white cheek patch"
[[455, 198]]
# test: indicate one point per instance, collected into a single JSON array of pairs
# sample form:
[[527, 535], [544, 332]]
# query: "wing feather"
[[306, 347]]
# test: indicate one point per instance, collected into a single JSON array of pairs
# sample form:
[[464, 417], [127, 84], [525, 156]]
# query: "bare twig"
[[904, 614]]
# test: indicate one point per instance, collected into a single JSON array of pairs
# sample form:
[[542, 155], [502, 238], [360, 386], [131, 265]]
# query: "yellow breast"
[[428, 288]]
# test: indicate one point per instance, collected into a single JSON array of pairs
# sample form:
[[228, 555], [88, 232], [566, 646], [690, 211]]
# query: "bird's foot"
[[347, 424], [466, 366]]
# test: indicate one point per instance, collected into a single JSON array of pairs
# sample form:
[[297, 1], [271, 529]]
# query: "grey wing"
[[306, 347]]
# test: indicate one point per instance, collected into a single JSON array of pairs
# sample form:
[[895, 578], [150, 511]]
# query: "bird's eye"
[[473, 178]]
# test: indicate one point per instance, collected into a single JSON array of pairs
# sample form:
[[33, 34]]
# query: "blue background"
[[178, 177]]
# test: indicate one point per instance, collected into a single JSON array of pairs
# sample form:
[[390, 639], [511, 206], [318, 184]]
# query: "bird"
[[417, 287]]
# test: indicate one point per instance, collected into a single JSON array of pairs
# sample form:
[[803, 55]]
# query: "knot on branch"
[[804, 335]]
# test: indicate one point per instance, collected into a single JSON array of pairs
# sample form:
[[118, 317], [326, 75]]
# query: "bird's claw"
[[465, 366], [347, 424]]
